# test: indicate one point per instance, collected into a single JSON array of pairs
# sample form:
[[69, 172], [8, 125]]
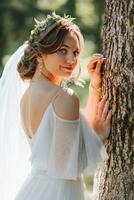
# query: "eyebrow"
[[65, 45]]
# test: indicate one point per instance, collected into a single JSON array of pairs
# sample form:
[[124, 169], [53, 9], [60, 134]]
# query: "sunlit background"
[[17, 19]]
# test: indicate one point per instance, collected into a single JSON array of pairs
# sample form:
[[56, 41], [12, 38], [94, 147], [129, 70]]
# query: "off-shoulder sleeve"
[[92, 152], [74, 149]]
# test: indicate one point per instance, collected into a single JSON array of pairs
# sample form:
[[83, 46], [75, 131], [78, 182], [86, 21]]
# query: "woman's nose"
[[71, 59]]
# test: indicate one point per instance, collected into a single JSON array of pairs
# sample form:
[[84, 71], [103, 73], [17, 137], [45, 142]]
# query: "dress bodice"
[[65, 148]]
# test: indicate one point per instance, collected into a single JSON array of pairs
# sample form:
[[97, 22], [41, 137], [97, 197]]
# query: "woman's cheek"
[[59, 58]]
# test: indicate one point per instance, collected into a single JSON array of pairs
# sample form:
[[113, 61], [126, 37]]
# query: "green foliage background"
[[17, 19]]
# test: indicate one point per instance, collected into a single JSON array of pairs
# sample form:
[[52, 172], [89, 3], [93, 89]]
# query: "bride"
[[46, 142]]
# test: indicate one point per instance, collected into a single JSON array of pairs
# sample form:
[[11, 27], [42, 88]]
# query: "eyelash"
[[76, 53], [64, 51]]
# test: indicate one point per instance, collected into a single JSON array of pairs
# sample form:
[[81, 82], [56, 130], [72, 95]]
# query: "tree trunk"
[[115, 180]]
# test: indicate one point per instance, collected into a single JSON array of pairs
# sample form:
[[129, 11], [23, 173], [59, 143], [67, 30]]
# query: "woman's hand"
[[94, 69], [102, 120]]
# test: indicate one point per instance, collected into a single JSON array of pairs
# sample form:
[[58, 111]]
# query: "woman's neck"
[[39, 75]]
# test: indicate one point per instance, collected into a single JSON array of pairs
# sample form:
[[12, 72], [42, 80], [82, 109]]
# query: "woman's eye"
[[63, 51], [76, 53]]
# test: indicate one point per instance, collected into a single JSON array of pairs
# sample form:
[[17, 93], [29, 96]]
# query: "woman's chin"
[[66, 74]]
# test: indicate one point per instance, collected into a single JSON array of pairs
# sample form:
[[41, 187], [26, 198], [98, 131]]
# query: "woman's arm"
[[93, 100], [97, 107]]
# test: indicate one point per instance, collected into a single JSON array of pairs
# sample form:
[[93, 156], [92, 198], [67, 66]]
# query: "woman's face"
[[62, 63]]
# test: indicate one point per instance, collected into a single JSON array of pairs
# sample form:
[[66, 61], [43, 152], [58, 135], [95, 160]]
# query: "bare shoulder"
[[66, 105]]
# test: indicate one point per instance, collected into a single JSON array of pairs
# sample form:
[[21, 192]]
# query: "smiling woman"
[[62, 62], [62, 46], [41, 118]]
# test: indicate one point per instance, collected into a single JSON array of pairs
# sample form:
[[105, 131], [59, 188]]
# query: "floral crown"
[[47, 24]]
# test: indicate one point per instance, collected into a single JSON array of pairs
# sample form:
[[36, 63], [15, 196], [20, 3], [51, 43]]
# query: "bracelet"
[[94, 88]]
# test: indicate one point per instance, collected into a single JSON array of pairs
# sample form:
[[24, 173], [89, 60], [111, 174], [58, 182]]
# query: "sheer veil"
[[14, 148]]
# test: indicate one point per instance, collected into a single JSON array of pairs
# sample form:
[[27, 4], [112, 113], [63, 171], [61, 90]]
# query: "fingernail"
[[106, 96], [111, 111]]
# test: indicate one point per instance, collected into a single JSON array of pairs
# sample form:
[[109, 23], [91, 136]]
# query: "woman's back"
[[36, 100]]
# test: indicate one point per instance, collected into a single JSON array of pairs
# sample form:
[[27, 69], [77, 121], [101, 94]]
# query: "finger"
[[105, 110], [101, 106], [109, 116], [92, 63], [99, 65], [97, 55]]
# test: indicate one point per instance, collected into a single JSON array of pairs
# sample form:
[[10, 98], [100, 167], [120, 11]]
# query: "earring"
[[45, 72], [40, 69], [75, 78], [42, 66]]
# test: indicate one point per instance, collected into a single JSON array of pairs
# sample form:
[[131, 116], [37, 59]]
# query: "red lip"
[[69, 68]]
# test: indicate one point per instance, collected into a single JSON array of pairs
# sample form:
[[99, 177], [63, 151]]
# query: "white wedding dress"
[[61, 150]]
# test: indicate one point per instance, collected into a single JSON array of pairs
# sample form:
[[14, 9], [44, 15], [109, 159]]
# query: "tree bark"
[[115, 180]]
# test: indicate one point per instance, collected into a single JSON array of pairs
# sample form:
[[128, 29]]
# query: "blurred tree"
[[3, 34], [69, 7], [115, 181], [16, 23], [99, 11], [17, 20]]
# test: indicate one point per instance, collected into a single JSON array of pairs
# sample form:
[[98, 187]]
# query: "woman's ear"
[[41, 59], [39, 55], [42, 56]]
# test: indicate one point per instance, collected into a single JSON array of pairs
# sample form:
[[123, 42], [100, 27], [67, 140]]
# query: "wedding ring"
[[97, 55]]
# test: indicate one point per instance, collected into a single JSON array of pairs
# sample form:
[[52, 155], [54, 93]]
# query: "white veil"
[[14, 148]]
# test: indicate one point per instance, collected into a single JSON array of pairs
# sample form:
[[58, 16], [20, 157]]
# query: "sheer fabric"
[[14, 148], [69, 147], [61, 151]]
